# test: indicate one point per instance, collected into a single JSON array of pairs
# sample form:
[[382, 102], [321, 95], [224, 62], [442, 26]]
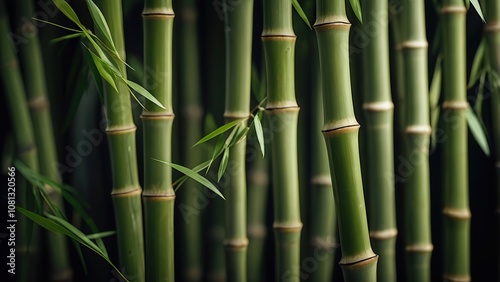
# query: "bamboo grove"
[[244, 140]]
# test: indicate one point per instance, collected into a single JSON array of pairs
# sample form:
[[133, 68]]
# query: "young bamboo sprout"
[[282, 112], [340, 130], [456, 223], [36, 90], [120, 129], [492, 33], [158, 196], [378, 109], [238, 21], [417, 192]]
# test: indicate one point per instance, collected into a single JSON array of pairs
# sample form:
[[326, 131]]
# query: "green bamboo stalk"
[[492, 34], [378, 109], [323, 221], [26, 247], [258, 185], [418, 245], [120, 130], [340, 130], [158, 196], [192, 113], [36, 89], [456, 212], [282, 112], [238, 23]]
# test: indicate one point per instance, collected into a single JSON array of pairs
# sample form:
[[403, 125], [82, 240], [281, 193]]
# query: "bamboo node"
[[193, 111], [457, 213], [358, 263], [124, 192], [384, 234], [454, 10], [231, 116], [37, 103], [492, 26], [8, 64], [167, 196], [27, 149], [340, 130], [287, 227], [258, 231], [332, 25], [158, 12], [380, 106], [322, 180], [456, 278], [455, 105], [235, 243], [323, 243], [415, 44], [156, 116], [189, 15], [418, 129], [120, 130], [423, 248], [270, 36], [258, 177]]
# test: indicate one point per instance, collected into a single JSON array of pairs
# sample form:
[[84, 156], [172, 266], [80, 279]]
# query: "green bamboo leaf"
[[477, 7], [240, 135], [103, 71], [477, 131], [65, 37], [260, 133], [301, 13], [66, 9], [223, 164], [356, 7], [219, 147], [178, 183], [217, 132], [195, 176], [435, 89], [100, 22], [480, 94], [100, 235], [139, 89], [477, 64], [95, 73]]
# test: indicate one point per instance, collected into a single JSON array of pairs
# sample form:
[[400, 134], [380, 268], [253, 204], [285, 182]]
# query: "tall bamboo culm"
[[120, 129], [456, 221], [340, 131], [191, 247], [27, 247], [36, 90], [158, 196], [379, 111], [282, 113], [238, 22], [492, 34], [418, 245]]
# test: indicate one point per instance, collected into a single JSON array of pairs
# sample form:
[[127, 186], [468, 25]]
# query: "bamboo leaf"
[[195, 176], [65, 37], [301, 13], [434, 94], [95, 73], [103, 71], [480, 94], [100, 235], [260, 133], [139, 89], [100, 22], [477, 131], [219, 147], [477, 7], [223, 164], [477, 64], [66, 9], [217, 132], [356, 7]]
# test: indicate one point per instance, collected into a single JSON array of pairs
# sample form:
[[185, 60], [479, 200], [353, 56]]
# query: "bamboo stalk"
[[418, 245], [282, 112], [192, 113], [456, 212], [492, 34], [158, 196], [26, 243], [120, 130], [378, 109], [238, 22], [323, 241], [38, 103], [340, 130]]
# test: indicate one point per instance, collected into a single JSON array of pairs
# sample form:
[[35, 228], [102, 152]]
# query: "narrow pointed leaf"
[[103, 71], [477, 131], [223, 164], [217, 132], [260, 133], [477, 7], [66, 9], [100, 235], [66, 37], [301, 13], [139, 89], [356, 8], [477, 64], [195, 176], [100, 22]]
